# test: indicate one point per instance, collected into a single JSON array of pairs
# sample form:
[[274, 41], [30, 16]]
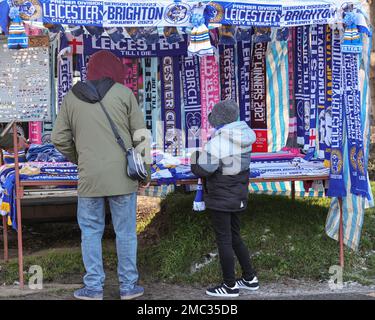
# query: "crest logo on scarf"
[[336, 159], [30, 9], [177, 13], [218, 12]]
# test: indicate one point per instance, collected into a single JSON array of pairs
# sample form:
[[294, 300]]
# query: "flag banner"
[[298, 85], [228, 72], [191, 86], [150, 94], [313, 92], [35, 132], [131, 75], [171, 104], [321, 89], [162, 13], [336, 181], [328, 99], [127, 48], [65, 71], [243, 74], [306, 85], [258, 97], [210, 90]]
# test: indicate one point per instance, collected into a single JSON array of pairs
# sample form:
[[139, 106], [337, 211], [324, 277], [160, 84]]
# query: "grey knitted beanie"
[[224, 112]]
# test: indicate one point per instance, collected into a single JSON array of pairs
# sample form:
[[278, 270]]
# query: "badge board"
[[25, 84]]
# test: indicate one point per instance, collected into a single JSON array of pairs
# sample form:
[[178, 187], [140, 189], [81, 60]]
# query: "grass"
[[287, 240]]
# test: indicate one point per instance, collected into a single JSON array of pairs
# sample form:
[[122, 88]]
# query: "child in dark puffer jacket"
[[223, 165]]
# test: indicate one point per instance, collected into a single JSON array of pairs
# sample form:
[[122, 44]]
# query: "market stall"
[[299, 73]]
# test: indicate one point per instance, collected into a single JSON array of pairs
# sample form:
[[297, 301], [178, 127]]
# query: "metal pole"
[[18, 206], [5, 238], [341, 235]]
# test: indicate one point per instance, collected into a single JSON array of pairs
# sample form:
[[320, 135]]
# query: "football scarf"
[[210, 90], [313, 92], [352, 103], [328, 98], [336, 183], [192, 100], [321, 87], [306, 86], [65, 71], [131, 74], [362, 183], [150, 98], [228, 72], [298, 84], [258, 97], [243, 73], [171, 104]]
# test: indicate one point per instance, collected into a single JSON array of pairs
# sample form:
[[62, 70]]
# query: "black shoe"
[[253, 284], [223, 291]]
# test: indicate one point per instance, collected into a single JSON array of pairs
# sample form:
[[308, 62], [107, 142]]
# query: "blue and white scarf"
[[337, 183]]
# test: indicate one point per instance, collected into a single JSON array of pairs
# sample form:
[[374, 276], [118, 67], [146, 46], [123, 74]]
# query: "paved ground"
[[293, 290]]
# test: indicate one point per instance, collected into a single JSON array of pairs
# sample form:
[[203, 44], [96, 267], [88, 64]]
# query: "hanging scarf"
[[131, 74], [150, 95], [171, 105], [210, 90], [362, 183], [313, 92], [321, 87], [65, 70], [228, 72], [336, 183], [258, 97], [192, 100], [244, 66], [306, 86], [298, 84], [328, 98]]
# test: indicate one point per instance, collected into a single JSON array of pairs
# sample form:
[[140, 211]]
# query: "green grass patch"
[[286, 238]]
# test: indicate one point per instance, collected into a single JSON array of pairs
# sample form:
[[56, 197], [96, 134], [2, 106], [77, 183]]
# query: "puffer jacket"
[[224, 166]]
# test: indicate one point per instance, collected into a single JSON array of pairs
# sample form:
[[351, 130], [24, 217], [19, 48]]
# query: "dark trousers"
[[227, 230]]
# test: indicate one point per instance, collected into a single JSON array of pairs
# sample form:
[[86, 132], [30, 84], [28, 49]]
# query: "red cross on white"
[[312, 138], [76, 43]]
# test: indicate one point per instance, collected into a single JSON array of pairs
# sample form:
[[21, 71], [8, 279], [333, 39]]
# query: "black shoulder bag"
[[135, 166]]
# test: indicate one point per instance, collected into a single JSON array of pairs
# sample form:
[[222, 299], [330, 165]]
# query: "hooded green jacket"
[[83, 134]]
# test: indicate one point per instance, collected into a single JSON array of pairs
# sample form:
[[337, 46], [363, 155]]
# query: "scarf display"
[[306, 44], [327, 131]]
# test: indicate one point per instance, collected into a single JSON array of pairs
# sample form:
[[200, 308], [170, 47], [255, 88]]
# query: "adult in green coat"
[[83, 134]]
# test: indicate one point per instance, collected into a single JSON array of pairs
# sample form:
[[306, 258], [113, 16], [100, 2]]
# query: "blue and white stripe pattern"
[[354, 206], [277, 94], [157, 191], [285, 189]]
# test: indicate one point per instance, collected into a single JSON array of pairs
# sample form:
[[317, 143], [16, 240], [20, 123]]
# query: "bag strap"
[[113, 126]]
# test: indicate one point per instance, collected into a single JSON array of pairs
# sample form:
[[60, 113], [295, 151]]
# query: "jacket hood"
[[86, 93], [233, 139]]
